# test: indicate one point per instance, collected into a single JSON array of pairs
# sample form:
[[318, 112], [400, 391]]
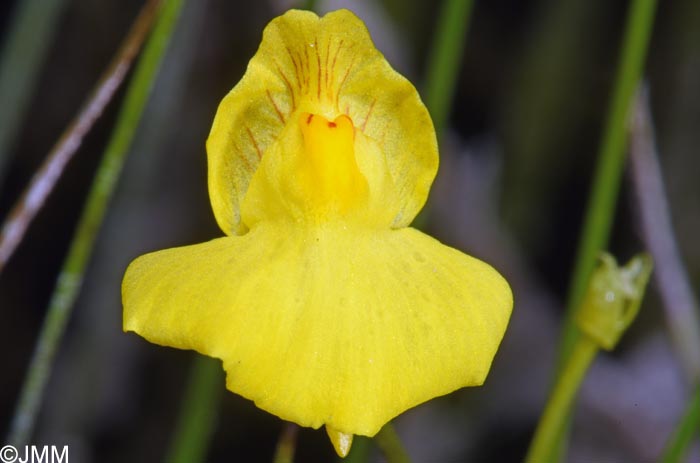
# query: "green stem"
[[683, 435], [443, 68], [388, 441], [607, 176], [606, 180], [555, 417], [360, 450], [72, 272], [445, 58], [31, 32], [196, 422]]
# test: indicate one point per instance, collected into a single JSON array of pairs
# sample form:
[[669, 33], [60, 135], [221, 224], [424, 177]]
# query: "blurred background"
[[516, 166]]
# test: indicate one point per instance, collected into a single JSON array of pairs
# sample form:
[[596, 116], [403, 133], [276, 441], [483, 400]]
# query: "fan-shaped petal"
[[326, 325]]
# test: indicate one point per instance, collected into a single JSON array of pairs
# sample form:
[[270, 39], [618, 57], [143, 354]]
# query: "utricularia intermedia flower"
[[323, 305]]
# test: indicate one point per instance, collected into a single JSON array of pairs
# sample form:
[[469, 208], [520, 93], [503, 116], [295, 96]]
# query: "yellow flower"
[[324, 308]]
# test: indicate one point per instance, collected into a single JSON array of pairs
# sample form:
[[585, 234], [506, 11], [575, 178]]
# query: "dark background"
[[516, 167]]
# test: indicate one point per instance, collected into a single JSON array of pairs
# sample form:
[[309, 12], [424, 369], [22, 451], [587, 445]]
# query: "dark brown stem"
[[43, 182], [287, 444]]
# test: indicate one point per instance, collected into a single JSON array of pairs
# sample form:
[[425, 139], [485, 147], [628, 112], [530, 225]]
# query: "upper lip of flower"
[[326, 67]]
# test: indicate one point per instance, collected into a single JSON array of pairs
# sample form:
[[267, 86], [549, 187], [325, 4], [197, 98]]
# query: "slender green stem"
[[556, 413], [683, 435], [388, 441], [71, 276], [360, 450], [443, 68], [445, 59], [32, 27], [197, 417], [606, 180]]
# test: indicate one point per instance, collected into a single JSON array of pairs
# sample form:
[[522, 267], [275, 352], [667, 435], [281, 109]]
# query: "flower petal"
[[320, 333], [327, 66]]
